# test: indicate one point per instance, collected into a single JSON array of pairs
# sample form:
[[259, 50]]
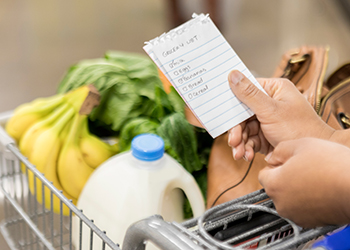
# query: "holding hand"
[[308, 181], [283, 114]]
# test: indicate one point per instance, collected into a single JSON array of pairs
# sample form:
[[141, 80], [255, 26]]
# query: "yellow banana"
[[29, 137], [94, 150], [29, 113], [50, 171], [44, 148], [73, 172], [74, 98]]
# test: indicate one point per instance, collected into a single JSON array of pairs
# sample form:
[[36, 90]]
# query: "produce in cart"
[[136, 98], [44, 132], [132, 101]]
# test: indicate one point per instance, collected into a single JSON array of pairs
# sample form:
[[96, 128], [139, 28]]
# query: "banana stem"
[[62, 122], [57, 113], [84, 98], [78, 122]]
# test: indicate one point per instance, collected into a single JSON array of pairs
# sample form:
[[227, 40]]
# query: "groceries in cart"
[[134, 185], [69, 136]]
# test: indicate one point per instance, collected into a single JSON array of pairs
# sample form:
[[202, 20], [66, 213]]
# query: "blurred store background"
[[41, 39]]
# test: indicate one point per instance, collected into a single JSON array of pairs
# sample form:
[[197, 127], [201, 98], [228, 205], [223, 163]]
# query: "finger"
[[249, 151], [236, 142], [235, 135], [267, 177], [251, 129], [239, 151], [265, 146], [283, 151], [248, 93], [254, 143]]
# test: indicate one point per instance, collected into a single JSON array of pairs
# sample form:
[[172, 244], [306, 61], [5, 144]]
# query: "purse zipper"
[[321, 81], [295, 60], [330, 93]]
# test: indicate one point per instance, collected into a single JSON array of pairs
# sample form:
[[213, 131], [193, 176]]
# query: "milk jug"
[[134, 185]]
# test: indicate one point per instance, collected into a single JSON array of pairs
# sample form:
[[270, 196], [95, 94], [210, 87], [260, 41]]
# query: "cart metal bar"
[[304, 237], [266, 236], [192, 235], [227, 207], [255, 230], [27, 220], [224, 245], [159, 232], [224, 220], [253, 197]]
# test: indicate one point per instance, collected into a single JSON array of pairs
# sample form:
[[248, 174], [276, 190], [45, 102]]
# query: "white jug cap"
[[147, 147]]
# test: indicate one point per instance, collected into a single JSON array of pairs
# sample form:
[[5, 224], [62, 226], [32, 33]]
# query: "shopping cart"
[[245, 223]]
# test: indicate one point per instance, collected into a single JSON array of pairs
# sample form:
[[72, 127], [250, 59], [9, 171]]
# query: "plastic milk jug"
[[132, 186]]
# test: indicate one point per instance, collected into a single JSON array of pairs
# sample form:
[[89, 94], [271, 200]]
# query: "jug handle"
[[190, 187]]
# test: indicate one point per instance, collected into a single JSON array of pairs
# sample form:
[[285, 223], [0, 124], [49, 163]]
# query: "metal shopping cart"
[[246, 223]]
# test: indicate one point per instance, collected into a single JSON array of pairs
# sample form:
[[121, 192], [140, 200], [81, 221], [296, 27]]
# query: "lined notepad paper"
[[197, 59]]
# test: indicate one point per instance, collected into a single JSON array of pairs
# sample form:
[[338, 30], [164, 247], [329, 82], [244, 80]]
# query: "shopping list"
[[197, 59]]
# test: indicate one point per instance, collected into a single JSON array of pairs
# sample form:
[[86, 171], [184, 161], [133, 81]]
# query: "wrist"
[[327, 133], [341, 137]]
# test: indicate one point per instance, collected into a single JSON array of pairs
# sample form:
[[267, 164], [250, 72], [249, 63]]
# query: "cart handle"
[[159, 232]]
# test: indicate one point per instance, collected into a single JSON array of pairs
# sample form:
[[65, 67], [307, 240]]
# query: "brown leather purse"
[[305, 67], [335, 105], [330, 98]]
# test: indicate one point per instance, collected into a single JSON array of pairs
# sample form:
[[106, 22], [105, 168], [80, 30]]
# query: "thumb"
[[248, 93], [275, 160], [267, 176]]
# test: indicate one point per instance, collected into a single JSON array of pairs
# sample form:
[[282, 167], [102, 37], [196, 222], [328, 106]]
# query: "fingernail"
[[234, 153], [268, 156], [245, 156], [229, 139], [236, 77]]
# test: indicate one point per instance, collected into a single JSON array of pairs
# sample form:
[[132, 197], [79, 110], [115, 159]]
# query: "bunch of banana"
[[53, 134]]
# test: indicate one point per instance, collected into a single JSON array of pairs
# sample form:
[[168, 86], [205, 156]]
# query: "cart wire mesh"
[[29, 224]]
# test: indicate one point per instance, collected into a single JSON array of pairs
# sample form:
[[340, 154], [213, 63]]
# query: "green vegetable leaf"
[[126, 83], [179, 135], [133, 128], [176, 100]]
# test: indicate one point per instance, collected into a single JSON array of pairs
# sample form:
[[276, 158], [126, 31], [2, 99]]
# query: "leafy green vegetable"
[[183, 143], [133, 128], [126, 83]]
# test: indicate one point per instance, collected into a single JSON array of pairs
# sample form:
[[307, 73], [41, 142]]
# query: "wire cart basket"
[[249, 222]]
